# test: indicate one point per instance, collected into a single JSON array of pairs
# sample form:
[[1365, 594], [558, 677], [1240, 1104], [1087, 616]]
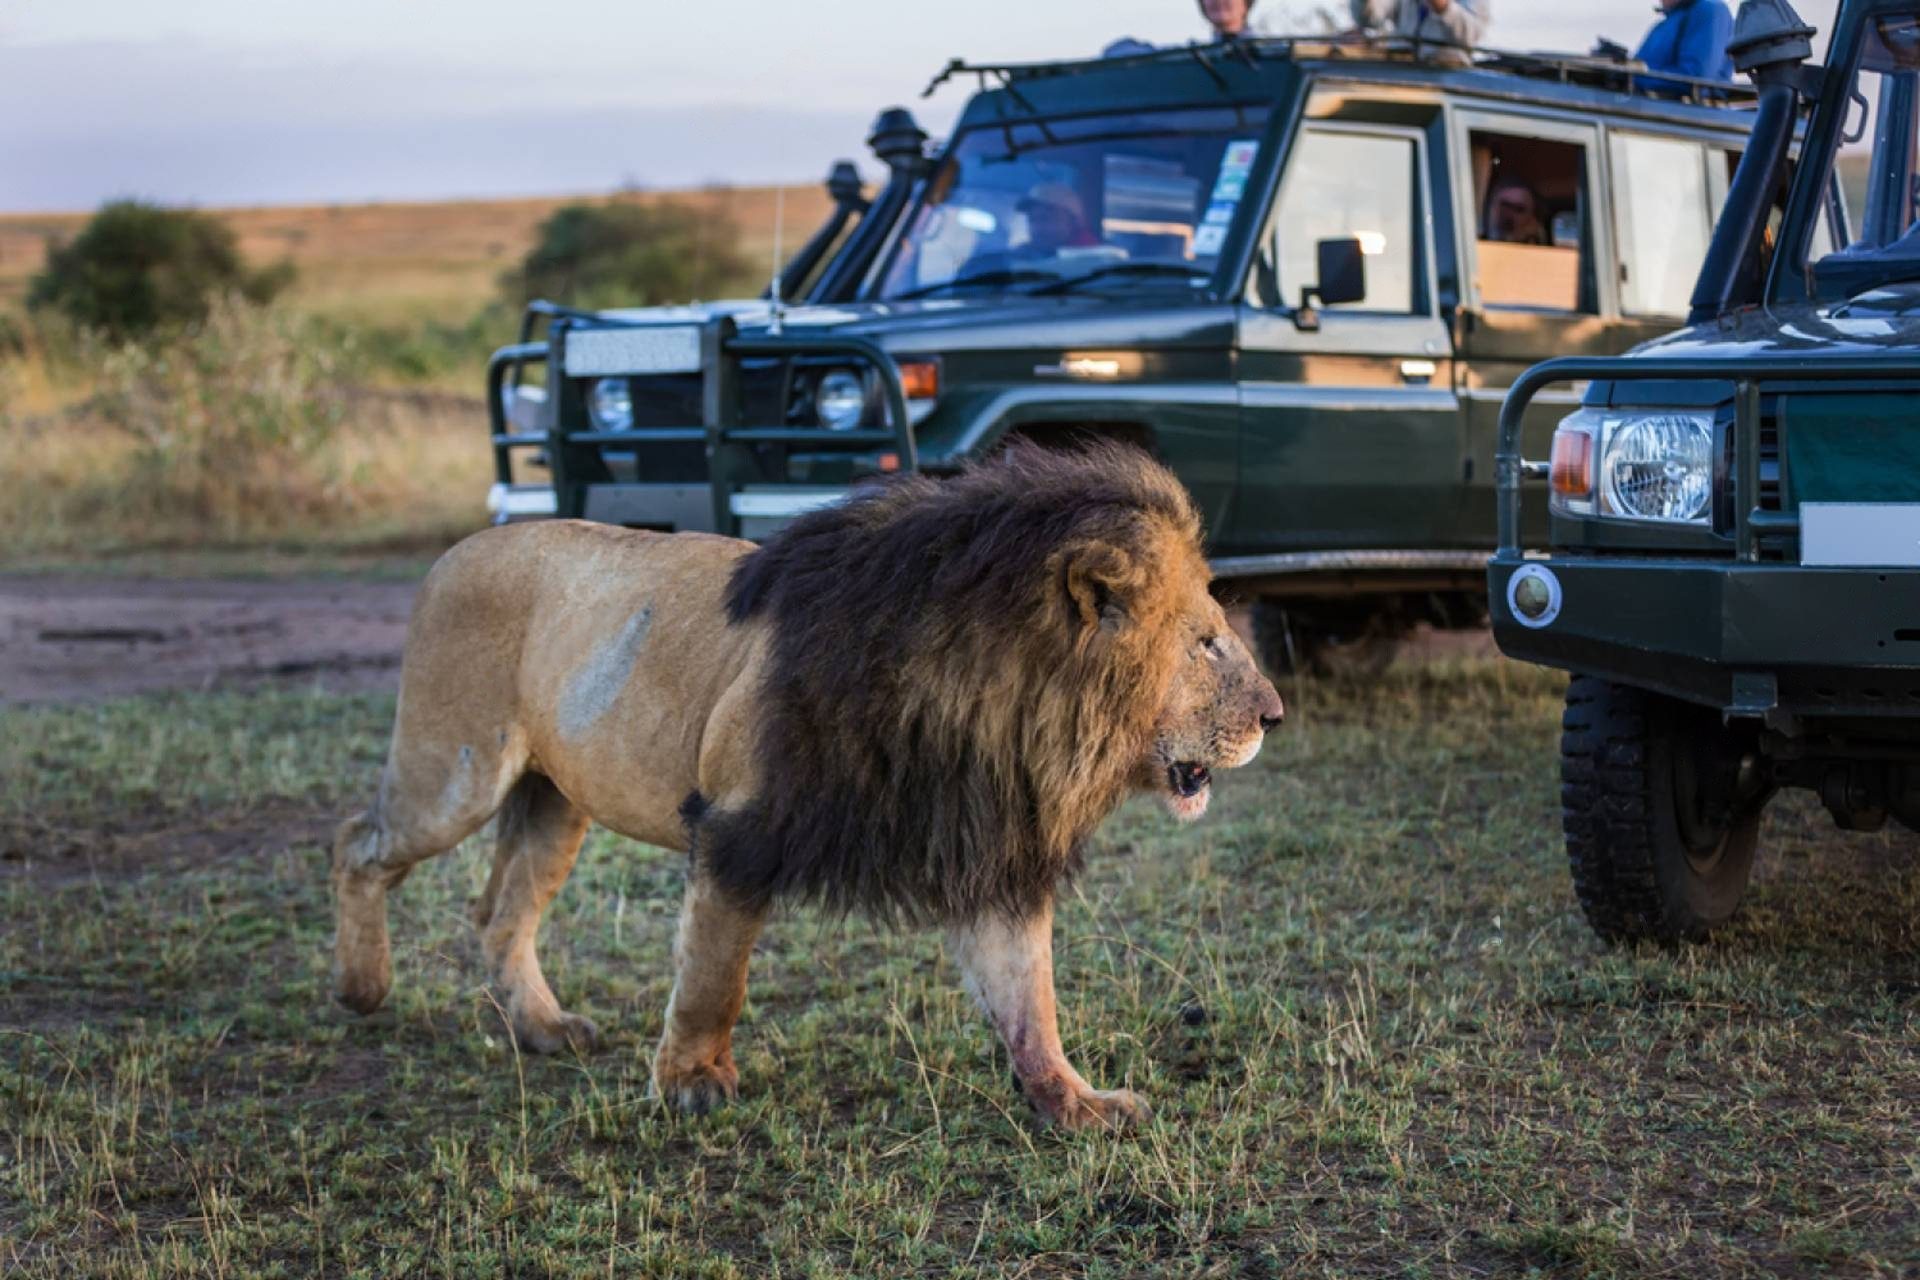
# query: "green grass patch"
[[1378, 1036]]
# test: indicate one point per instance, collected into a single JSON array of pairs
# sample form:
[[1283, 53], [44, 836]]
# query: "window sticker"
[[1208, 238], [1229, 185], [1220, 211], [1239, 155]]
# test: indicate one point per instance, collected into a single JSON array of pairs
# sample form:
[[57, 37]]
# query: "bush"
[[626, 254], [138, 267], [231, 420]]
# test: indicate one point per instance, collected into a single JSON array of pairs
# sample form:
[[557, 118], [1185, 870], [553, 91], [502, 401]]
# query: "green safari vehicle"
[[1302, 274], [1732, 563]]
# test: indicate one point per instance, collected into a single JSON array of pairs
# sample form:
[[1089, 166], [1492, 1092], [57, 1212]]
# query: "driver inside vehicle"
[[1056, 219]]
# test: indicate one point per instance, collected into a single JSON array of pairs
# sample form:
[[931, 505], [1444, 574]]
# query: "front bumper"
[[1750, 639], [727, 473], [671, 508]]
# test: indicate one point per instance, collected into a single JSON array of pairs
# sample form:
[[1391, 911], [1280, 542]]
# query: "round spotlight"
[[840, 400]]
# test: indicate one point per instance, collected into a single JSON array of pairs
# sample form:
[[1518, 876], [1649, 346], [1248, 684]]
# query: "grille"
[[1776, 546]]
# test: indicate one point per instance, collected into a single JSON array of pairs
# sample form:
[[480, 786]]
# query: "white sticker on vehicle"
[[642, 349], [1860, 533], [1239, 155]]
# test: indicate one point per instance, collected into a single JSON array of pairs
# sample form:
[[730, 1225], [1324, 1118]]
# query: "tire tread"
[[1607, 809]]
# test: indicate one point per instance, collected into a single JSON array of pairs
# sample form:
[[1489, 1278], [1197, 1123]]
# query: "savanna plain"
[[1378, 1036]]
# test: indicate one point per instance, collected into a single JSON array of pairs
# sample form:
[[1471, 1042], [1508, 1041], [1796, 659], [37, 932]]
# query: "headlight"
[[610, 402], [1658, 466], [1638, 466], [840, 400]]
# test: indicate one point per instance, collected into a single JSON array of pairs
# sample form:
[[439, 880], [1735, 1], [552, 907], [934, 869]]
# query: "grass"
[[255, 430], [401, 263], [1379, 1038]]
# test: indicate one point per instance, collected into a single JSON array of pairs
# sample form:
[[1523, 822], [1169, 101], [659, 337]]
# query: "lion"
[[918, 704]]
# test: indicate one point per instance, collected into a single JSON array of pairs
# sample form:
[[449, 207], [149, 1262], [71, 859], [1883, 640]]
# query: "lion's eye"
[[1210, 645]]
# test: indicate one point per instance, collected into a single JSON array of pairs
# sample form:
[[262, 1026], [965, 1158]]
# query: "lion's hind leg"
[[430, 800], [540, 832]]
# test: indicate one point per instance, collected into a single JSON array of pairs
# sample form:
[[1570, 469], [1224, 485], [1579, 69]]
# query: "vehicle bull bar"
[[729, 441], [1748, 374]]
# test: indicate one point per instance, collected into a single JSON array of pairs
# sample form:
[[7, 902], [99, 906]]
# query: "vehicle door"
[[1537, 282], [1349, 434], [1666, 193]]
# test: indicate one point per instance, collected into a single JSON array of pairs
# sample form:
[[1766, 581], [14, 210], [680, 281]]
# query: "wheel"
[[1660, 803], [1326, 640]]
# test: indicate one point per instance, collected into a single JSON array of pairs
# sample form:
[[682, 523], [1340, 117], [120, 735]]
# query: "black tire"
[[1319, 641], [1660, 803]]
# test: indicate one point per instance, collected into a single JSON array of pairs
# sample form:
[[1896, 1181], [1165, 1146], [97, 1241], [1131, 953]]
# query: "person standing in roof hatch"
[[1455, 22], [1228, 18], [1689, 40]]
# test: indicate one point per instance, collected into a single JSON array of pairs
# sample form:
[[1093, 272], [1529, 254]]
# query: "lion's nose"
[[1272, 710]]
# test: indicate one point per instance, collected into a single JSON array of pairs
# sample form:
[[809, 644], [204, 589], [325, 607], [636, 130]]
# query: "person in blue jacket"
[[1689, 40]]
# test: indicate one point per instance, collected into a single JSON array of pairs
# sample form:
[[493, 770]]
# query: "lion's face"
[[1217, 710], [1139, 602]]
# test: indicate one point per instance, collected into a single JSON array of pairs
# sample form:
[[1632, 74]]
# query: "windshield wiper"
[[1067, 283], [999, 275]]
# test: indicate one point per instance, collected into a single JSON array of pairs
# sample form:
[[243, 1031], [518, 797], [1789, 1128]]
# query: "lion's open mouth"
[[1189, 787], [1187, 779]]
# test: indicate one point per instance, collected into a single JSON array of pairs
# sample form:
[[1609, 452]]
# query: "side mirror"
[[1342, 278]]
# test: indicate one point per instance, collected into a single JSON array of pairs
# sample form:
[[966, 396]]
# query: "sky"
[[241, 102]]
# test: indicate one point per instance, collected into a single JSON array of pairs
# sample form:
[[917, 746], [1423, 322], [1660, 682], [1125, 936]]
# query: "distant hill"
[[398, 261]]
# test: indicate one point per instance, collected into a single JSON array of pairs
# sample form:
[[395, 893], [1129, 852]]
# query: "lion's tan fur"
[[566, 672]]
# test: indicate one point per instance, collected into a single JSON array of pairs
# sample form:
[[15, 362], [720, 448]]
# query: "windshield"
[[1874, 162], [1128, 200]]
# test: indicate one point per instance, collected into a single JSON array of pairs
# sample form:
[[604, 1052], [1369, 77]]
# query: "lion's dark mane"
[[912, 627]]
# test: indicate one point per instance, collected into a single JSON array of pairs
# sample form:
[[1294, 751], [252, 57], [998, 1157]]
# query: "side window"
[[1534, 236], [1343, 185], [1662, 217], [1719, 183]]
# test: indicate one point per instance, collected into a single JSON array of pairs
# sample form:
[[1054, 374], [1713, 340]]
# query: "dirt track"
[[73, 639]]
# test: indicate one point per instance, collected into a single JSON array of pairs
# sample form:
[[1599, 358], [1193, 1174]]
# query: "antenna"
[[779, 227]]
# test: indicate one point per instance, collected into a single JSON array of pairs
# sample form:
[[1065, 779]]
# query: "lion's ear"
[[1096, 587]]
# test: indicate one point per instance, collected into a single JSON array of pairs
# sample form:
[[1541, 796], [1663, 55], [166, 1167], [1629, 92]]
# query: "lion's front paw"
[[362, 953], [696, 1088], [559, 1034], [1113, 1110], [361, 985]]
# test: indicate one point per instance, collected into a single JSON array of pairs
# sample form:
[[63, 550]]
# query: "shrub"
[[230, 420], [138, 267], [630, 254]]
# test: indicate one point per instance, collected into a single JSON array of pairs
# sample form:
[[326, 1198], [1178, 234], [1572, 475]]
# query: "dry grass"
[[349, 417], [247, 430], [393, 263]]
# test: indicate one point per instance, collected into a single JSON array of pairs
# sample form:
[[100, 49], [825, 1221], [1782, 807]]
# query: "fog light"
[[1533, 595]]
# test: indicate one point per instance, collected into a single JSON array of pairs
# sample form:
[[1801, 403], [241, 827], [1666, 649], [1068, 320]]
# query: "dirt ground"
[[81, 638], [68, 639]]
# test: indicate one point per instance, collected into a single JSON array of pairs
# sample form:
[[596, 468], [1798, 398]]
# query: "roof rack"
[[1565, 68]]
